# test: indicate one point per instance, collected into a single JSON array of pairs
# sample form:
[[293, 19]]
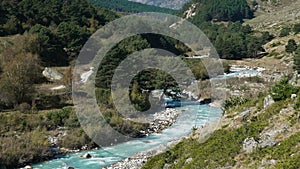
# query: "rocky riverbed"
[[161, 120], [138, 160]]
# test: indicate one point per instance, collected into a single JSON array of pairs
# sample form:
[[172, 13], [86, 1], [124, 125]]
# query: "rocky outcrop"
[[249, 145], [52, 74], [191, 95], [188, 160], [268, 101], [269, 137], [242, 116], [268, 164], [167, 166]]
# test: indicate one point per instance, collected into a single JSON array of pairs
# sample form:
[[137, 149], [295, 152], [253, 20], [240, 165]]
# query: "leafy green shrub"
[[291, 46], [284, 32], [31, 147], [275, 44], [233, 101], [24, 107], [297, 59], [75, 139], [296, 28], [283, 90], [58, 118], [48, 101]]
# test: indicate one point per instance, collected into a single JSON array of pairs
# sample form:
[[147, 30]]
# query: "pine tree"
[[291, 46], [297, 59]]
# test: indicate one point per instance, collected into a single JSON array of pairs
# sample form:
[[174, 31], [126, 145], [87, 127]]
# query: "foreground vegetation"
[[24, 136], [224, 146]]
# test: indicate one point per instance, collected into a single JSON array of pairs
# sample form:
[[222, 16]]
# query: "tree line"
[[216, 10], [131, 7], [222, 22], [61, 27]]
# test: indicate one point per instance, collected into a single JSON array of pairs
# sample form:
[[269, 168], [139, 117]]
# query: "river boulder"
[[87, 155]]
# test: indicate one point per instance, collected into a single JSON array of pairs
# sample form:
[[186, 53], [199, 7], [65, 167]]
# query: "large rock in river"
[[87, 155]]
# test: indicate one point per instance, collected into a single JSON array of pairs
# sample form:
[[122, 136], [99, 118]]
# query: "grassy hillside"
[[273, 16], [274, 129]]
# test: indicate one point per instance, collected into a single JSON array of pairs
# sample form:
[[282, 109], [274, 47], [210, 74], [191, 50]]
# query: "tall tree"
[[19, 75], [72, 37], [51, 50]]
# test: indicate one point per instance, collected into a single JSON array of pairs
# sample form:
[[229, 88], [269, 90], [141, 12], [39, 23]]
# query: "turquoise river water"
[[191, 116]]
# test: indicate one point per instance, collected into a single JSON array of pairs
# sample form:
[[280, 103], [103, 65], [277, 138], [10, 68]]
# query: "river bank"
[[189, 117], [161, 120], [138, 160]]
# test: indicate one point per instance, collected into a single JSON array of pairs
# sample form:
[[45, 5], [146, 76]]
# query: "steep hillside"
[[261, 120], [173, 4], [258, 134], [131, 7], [274, 15]]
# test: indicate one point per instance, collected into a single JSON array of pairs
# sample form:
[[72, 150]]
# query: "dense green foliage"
[[62, 27], [54, 32], [296, 28], [225, 10], [291, 46], [32, 130], [28, 13], [40, 33], [232, 40], [284, 32], [49, 120], [233, 102], [283, 90], [297, 59], [130, 6]]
